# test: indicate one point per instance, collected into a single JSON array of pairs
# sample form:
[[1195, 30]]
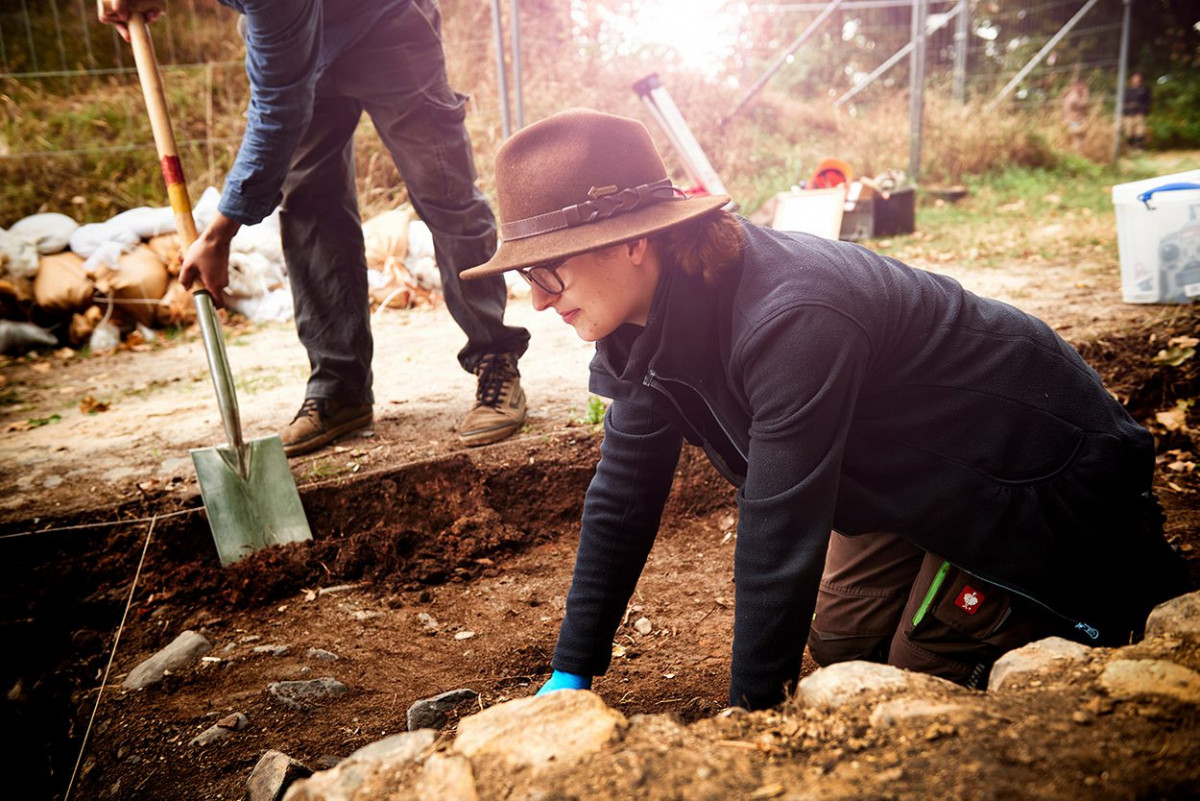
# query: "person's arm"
[[283, 39], [802, 373], [621, 515]]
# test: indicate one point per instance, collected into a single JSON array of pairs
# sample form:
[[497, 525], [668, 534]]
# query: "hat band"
[[609, 205]]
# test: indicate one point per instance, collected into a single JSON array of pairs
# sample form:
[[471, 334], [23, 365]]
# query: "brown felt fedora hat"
[[578, 181]]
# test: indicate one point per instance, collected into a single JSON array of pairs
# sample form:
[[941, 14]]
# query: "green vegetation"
[[596, 407]]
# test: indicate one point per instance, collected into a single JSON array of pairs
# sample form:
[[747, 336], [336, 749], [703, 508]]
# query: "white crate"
[[1159, 238]]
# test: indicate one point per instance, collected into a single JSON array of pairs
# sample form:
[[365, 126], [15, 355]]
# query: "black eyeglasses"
[[545, 277]]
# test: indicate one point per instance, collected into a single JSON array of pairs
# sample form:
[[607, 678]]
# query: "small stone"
[[464, 635], [430, 713], [643, 625], [428, 622], [183, 650], [272, 650], [302, 694], [321, 654]]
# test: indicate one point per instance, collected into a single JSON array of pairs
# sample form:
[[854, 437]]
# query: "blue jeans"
[[397, 75]]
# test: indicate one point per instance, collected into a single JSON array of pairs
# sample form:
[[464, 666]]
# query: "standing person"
[[982, 486], [314, 67], [1076, 105], [1134, 112]]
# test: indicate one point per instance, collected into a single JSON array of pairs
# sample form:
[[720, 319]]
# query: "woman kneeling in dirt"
[[982, 487]]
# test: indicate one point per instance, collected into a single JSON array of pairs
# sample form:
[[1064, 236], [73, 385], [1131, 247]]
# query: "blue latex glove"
[[566, 681]]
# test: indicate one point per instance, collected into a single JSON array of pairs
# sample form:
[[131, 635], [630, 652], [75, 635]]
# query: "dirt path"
[[158, 403]]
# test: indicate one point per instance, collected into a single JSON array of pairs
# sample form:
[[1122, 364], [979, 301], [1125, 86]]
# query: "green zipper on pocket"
[[934, 586]]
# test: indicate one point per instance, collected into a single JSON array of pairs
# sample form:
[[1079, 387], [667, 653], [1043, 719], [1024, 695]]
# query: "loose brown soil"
[[407, 522]]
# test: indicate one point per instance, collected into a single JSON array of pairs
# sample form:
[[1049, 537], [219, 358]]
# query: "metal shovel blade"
[[251, 501]]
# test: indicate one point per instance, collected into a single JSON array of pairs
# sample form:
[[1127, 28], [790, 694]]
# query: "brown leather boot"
[[320, 421], [499, 409]]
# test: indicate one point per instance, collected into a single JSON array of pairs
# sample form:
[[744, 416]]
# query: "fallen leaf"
[[1174, 356], [1173, 419], [90, 405]]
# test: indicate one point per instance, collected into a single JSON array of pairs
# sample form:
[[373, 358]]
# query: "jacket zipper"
[[655, 382], [1090, 631]]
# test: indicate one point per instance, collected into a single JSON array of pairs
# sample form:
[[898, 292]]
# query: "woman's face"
[[603, 289]]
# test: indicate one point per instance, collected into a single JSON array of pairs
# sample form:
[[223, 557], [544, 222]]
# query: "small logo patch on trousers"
[[969, 600]]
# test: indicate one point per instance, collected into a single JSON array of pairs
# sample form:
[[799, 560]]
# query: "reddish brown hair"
[[705, 246]]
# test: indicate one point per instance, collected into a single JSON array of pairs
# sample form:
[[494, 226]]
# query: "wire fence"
[[975, 48]]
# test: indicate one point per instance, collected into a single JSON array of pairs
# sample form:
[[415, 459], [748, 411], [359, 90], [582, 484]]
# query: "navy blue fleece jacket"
[[839, 389]]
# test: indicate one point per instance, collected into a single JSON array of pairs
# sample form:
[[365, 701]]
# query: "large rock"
[[354, 778], [1036, 659], [1178, 616], [1129, 678], [843, 683], [185, 649], [447, 777], [272, 775], [559, 728], [919, 711]]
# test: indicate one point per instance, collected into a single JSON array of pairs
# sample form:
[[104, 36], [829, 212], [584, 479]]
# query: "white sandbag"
[[252, 275], [48, 232], [147, 222], [18, 337], [86, 238], [105, 337], [263, 239], [18, 256], [275, 306], [385, 237], [420, 261], [204, 210], [107, 254]]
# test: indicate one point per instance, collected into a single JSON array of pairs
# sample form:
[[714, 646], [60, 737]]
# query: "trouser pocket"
[[956, 625]]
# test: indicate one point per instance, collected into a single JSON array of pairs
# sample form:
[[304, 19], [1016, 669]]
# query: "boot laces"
[[495, 371], [312, 407]]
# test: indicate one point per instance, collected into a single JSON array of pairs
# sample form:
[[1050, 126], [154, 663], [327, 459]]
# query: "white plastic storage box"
[[1158, 237]]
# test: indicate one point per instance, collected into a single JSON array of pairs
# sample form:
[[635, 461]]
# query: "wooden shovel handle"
[[160, 123]]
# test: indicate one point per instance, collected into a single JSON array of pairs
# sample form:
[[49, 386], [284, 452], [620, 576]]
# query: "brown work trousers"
[[882, 599]]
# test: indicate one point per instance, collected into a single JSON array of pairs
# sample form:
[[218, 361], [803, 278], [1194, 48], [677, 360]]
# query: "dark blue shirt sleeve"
[[283, 41], [800, 419], [621, 514]]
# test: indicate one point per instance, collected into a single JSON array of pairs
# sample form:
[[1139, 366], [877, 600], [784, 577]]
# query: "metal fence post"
[[916, 88], [1122, 66]]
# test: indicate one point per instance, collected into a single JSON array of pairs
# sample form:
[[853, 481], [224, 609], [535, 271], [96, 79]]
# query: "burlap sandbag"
[[62, 285], [168, 249], [83, 324], [176, 307], [385, 237], [139, 284]]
